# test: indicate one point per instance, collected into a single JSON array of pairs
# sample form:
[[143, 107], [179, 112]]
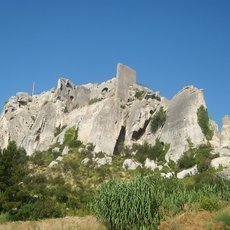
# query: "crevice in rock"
[[139, 133], [120, 141]]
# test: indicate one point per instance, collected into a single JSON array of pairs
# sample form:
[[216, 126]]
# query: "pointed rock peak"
[[65, 83]]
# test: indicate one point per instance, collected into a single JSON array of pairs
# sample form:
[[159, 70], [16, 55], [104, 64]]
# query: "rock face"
[[225, 133], [181, 123], [107, 115]]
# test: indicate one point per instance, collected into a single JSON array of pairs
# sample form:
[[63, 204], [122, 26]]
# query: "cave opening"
[[120, 141]]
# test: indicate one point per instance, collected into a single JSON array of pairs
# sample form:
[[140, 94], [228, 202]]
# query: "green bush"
[[70, 138], [224, 217], [95, 100], [4, 217], [158, 120], [156, 152], [58, 130], [186, 161], [203, 157], [200, 156], [209, 203], [139, 94], [41, 209], [203, 121]]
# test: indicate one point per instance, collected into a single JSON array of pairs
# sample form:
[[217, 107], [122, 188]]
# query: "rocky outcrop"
[[108, 115], [225, 132], [181, 123]]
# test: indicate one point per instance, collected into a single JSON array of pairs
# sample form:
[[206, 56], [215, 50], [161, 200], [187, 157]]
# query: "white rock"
[[59, 158], [85, 161], [225, 132], [55, 150], [167, 175], [221, 161], [187, 172], [53, 164], [131, 164], [103, 161], [65, 151], [181, 122], [150, 164]]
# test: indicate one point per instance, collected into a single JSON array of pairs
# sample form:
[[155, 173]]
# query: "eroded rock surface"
[[108, 115]]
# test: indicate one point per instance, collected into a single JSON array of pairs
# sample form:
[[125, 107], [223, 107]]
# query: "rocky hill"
[[114, 113]]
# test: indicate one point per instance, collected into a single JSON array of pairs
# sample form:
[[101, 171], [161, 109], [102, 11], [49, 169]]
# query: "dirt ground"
[[67, 223]]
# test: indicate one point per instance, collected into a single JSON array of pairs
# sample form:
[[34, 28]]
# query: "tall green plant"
[[158, 120], [203, 121]]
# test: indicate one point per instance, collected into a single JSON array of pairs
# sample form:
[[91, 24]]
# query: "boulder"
[[221, 162], [53, 164], [59, 158], [65, 151], [131, 164], [187, 172], [150, 164], [103, 161]]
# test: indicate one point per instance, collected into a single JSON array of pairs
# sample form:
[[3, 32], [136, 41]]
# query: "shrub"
[[158, 120], [4, 217], [203, 157], [203, 121], [58, 130], [43, 208], [186, 161], [224, 217], [95, 100], [209, 203], [70, 138], [156, 152], [139, 94]]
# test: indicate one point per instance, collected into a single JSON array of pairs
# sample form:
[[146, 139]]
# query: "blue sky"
[[170, 43]]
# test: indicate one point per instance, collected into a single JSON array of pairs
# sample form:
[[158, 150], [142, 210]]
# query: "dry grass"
[[67, 223], [192, 221]]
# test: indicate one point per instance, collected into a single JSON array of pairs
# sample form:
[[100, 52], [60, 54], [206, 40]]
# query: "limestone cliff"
[[119, 110]]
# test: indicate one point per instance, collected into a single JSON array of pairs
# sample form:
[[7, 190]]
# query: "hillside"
[[116, 150]]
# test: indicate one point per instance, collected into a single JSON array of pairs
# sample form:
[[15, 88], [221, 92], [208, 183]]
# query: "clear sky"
[[170, 43]]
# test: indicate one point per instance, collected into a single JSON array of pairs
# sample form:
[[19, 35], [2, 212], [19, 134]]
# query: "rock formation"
[[108, 114]]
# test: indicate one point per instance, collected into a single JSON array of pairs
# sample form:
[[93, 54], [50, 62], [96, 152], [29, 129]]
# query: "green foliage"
[[158, 120], [127, 205], [187, 160], [40, 209], [43, 158], [224, 217], [12, 171], [139, 94], [209, 203], [95, 100], [200, 156], [203, 121], [70, 138], [4, 217], [203, 157], [58, 130], [152, 198], [156, 152]]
